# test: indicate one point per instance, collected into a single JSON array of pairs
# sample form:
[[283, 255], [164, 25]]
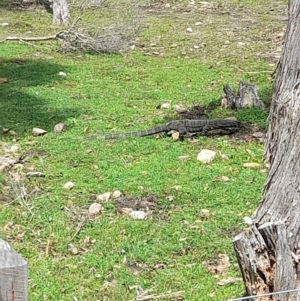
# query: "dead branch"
[[35, 39], [159, 296]]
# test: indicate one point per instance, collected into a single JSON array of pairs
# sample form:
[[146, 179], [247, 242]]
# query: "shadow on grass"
[[21, 108]]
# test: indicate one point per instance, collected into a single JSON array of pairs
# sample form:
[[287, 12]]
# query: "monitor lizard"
[[185, 127]]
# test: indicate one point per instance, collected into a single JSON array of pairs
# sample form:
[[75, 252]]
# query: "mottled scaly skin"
[[184, 127]]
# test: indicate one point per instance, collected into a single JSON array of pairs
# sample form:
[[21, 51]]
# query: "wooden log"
[[13, 274]]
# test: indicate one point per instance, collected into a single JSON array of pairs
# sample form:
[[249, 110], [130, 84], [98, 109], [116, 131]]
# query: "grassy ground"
[[114, 93]]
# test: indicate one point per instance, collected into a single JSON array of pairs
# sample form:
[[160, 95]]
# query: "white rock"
[[4, 24], [165, 106], [258, 135], [69, 185], [38, 132], [175, 136], [206, 156], [248, 220], [138, 214], [180, 109], [60, 127], [198, 23], [116, 194], [62, 73], [224, 157], [189, 30], [73, 249], [225, 179], [95, 208], [204, 213], [104, 197]]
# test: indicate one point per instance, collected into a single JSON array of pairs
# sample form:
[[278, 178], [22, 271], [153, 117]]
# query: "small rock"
[[204, 213], [60, 127], [189, 30], [138, 214], [4, 24], [104, 197], [62, 73], [124, 210], [180, 109], [95, 208], [225, 179], [165, 106], [248, 220], [206, 156], [12, 133], [198, 23], [38, 132], [224, 157], [258, 135], [168, 5], [116, 194], [196, 47], [69, 185], [6, 163], [73, 249], [175, 136]]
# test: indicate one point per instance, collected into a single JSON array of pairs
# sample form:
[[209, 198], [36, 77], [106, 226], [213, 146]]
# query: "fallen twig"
[[52, 37], [158, 296]]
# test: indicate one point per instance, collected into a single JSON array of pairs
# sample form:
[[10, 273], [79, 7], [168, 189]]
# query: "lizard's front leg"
[[207, 127]]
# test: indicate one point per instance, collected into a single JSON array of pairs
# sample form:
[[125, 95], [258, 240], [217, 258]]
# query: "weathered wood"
[[265, 259], [61, 13], [246, 97], [268, 254], [13, 274]]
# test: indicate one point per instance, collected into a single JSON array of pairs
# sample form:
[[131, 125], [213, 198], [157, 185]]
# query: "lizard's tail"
[[114, 136], [153, 131]]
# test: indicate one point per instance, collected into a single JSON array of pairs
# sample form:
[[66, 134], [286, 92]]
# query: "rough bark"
[[13, 274], [61, 13], [268, 254]]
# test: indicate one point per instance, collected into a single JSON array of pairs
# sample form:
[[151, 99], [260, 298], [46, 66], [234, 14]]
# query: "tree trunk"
[[13, 274], [269, 252], [61, 13]]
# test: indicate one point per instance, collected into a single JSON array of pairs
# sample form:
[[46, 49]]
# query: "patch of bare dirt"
[[215, 30], [145, 203]]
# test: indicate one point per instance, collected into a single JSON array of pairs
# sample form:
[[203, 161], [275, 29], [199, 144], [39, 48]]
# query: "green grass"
[[120, 94]]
